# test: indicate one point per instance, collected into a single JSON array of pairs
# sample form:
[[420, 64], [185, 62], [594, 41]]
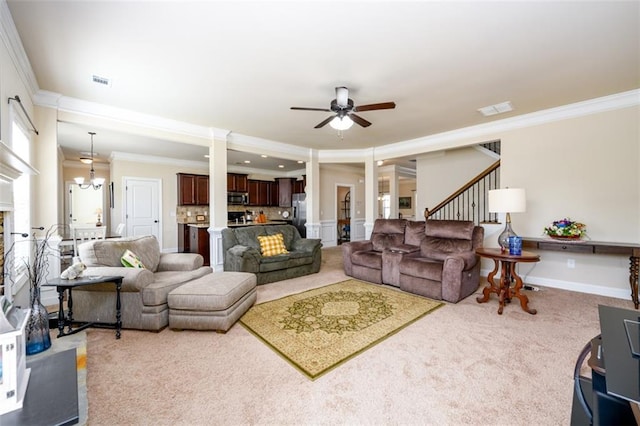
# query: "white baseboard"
[[618, 293]]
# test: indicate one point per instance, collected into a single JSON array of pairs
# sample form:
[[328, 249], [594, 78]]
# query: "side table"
[[68, 285], [507, 275]]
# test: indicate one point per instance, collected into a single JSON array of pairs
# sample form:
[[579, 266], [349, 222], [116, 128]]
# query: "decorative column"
[[217, 197], [313, 195], [371, 192]]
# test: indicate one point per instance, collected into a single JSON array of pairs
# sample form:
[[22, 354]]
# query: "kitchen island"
[[199, 240], [240, 224]]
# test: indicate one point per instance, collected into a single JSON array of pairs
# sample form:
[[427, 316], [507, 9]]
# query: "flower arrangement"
[[566, 228]]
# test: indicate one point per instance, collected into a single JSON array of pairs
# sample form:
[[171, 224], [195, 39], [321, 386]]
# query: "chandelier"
[[94, 182]]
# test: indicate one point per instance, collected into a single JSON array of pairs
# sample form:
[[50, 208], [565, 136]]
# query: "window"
[[21, 215]]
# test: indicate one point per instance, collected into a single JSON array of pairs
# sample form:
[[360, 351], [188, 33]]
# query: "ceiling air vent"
[[496, 109], [102, 80]]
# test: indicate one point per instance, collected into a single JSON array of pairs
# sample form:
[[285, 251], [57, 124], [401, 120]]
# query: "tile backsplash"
[[192, 214]]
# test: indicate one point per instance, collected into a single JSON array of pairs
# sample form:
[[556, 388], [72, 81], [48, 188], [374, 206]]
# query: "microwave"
[[237, 198]]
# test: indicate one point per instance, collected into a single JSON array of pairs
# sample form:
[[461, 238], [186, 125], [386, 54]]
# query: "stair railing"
[[470, 201]]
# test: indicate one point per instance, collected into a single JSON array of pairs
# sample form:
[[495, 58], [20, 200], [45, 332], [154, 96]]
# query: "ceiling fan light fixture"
[[342, 96], [341, 123]]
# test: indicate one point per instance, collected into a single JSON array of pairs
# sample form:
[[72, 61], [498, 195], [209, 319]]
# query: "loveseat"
[[433, 258], [243, 253], [144, 290]]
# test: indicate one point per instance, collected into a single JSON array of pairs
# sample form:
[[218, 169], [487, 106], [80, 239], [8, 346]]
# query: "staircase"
[[470, 201]]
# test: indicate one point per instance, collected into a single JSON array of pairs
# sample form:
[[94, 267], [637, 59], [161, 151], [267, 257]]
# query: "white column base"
[[215, 249]]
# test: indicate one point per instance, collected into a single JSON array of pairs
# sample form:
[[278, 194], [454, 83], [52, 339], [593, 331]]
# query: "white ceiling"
[[241, 65]]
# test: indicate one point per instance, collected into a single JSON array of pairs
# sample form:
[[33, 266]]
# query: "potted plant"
[[566, 229], [36, 269]]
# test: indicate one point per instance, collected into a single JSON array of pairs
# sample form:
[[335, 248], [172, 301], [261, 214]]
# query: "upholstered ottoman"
[[213, 302]]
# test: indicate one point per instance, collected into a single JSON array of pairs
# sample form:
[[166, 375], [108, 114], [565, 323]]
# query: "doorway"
[[343, 213], [85, 207], [142, 207]]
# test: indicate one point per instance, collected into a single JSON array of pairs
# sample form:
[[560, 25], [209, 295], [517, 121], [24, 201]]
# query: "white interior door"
[[142, 212]]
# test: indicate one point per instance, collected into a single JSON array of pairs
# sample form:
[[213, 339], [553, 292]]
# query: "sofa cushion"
[[387, 233], [163, 282], [108, 252], [249, 236], [370, 259], [272, 245], [422, 268], [414, 233], [458, 229], [386, 241], [288, 233]]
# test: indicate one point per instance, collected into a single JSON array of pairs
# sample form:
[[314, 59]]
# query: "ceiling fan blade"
[[324, 123], [310, 109], [371, 107], [359, 120]]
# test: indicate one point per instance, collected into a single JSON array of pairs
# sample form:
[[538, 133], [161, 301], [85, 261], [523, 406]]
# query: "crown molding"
[[80, 165], [11, 39], [151, 159], [461, 136], [273, 173], [245, 143]]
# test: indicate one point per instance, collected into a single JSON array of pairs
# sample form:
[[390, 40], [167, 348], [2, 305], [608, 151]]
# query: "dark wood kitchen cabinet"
[[237, 182], [259, 192], [199, 242], [183, 238], [285, 189], [298, 186], [193, 190]]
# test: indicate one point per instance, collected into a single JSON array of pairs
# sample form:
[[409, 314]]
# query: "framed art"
[[404, 202]]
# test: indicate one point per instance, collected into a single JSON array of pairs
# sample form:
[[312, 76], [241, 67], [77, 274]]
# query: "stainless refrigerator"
[[299, 219]]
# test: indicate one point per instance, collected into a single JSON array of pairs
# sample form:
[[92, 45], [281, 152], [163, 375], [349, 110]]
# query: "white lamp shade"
[[508, 200], [98, 181], [79, 180], [341, 123]]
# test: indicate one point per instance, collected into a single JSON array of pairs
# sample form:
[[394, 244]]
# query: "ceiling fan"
[[344, 110]]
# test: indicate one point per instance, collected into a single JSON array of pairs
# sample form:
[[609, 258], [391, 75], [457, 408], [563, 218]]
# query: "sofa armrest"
[[242, 259], [467, 260], [180, 262], [351, 247], [134, 279], [306, 245]]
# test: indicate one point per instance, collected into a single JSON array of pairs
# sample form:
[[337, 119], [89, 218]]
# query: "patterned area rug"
[[319, 329]]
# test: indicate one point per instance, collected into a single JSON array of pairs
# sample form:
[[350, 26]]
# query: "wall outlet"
[[571, 263]]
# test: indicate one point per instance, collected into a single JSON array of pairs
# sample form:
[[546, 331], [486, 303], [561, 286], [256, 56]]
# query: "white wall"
[[585, 168], [165, 172]]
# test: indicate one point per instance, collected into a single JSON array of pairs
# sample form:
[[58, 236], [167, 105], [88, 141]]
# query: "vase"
[[37, 330]]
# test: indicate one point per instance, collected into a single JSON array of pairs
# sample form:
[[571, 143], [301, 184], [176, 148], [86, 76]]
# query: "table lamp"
[[99, 212], [508, 200]]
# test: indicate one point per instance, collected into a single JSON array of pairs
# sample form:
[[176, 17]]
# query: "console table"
[[68, 285], [594, 247]]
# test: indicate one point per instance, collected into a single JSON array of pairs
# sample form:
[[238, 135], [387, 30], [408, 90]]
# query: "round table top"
[[498, 254]]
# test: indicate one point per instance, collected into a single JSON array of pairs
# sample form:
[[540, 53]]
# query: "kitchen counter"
[[198, 225], [268, 222]]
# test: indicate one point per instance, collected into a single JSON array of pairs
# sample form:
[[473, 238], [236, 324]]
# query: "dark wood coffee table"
[[67, 320], [52, 392], [504, 290]]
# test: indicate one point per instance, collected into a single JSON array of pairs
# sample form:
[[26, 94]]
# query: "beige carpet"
[[460, 365], [319, 329]]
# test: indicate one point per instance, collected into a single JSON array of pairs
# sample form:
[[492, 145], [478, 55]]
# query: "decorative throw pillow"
[[130, 260], [272, 245]]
